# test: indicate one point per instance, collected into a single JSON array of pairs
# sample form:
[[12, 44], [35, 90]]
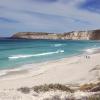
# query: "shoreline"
[[73, 73], [4, 72], [27, 67], [73, 70], [30, 65]]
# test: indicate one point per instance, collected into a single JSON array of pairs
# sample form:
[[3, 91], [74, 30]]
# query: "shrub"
[[90, 87], [94, 98], [44, 88], [25, 90], [86, 87]]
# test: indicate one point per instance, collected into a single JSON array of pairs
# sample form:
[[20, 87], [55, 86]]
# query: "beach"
[[69, 71], [50, 50], [73, 70], [56, 68]]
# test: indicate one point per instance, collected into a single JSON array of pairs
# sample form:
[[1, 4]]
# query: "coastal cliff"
[[75, 35]]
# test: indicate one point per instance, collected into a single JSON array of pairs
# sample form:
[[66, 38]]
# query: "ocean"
[[16, 52]]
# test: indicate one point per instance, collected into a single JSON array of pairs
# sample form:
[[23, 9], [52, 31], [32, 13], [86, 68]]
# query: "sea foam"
[[34, 55], [92, 50], [58, 45]]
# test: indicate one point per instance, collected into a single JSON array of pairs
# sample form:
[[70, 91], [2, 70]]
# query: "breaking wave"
[[93, 50], [58, 45], [34, 55]]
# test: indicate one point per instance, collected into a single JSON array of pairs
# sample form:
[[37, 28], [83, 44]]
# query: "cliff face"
[[79, 35]]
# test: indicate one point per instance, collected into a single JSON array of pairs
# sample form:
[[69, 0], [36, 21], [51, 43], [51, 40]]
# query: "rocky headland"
[[74, 35]]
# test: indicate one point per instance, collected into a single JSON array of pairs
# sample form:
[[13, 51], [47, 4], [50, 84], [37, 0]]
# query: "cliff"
[[75, 35]]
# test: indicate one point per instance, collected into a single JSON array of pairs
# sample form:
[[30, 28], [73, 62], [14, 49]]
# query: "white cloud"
[[68, 15]]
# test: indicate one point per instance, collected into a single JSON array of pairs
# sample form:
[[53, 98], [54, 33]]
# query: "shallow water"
[[14, 53]]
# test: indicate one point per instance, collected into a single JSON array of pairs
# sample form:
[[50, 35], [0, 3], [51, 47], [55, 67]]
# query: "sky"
[[48, 16]]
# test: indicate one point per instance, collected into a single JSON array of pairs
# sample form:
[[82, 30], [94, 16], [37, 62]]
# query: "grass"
[[92, 87], [25, 90], [86, 87], [45, 88], [94, 98]]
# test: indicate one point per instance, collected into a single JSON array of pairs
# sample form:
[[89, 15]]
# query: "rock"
[[79, 35]]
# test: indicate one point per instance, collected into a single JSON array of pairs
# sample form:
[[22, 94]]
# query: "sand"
[[73, 70]]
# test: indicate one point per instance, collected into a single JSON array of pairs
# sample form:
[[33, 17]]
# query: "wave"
[[34, 55], [3, 73], [58, 45], [93, 50]]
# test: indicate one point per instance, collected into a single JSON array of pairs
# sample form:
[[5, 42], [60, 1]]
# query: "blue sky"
[[48, 16]]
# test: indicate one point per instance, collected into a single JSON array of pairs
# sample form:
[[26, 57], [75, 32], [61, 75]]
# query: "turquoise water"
[[14, 53]]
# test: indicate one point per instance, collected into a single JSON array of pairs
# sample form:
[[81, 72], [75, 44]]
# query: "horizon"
[[48, 16]]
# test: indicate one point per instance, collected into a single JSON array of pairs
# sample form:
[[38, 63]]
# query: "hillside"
[[75, 35]]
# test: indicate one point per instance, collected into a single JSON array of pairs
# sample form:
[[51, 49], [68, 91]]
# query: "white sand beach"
[[73, 70]]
